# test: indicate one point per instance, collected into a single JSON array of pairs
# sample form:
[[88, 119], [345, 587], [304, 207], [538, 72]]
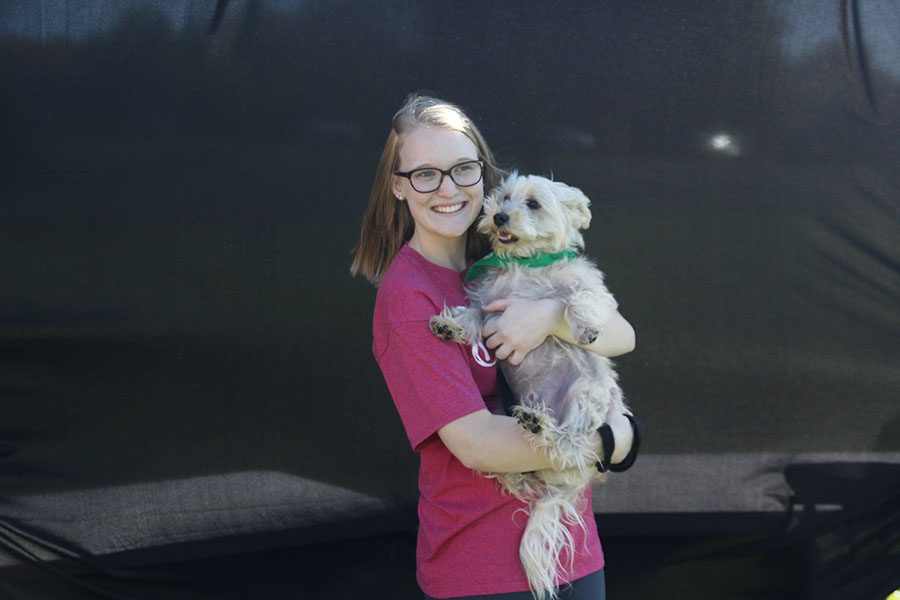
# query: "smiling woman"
[[418, 238], [388, 222], [445, 211]]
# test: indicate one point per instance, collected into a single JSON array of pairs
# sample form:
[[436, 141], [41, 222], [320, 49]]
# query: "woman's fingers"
[[501, 352], [498, 305], [515, 358], [516, 326], [491, 326]]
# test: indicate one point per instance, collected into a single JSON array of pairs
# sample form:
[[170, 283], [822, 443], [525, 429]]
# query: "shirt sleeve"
[[429, 379]]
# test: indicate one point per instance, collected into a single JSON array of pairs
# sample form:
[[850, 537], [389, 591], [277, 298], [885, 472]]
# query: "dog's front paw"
[[445, 329], [588, 336]]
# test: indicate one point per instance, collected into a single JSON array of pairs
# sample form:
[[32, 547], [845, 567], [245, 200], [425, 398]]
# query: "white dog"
[[564, 391]]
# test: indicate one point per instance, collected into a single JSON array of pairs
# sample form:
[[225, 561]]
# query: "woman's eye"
[[425, 174], [463, 169], [532, 204]]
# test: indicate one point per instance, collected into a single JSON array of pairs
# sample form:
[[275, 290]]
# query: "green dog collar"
[[492, 261]]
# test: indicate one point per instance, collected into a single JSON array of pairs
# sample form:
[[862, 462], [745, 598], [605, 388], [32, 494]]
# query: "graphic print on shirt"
[[479, 352], [482, 355]]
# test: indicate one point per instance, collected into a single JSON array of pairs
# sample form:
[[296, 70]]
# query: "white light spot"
[[724, 143]]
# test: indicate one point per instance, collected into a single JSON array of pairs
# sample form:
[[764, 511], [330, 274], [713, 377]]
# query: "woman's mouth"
[[448, 209]]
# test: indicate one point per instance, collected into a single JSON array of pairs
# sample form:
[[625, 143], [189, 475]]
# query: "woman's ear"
[[396, 188]]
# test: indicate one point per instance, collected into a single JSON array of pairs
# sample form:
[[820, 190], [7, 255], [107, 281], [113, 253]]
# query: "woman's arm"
[[492, 443], [525, 324], [616, 336], [495, 443]]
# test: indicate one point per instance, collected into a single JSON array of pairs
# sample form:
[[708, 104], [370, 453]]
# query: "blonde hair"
[[388, 224]]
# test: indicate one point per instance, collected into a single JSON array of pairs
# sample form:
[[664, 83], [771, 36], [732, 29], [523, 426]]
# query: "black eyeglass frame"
[[447, 173]]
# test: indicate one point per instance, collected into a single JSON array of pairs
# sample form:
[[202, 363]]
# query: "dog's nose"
[[500, 219]]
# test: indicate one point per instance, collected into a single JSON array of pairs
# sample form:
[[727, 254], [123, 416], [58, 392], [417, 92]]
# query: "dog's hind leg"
[[584, 408], [565, 444], [536, 418], [524, 486], [533, 417]]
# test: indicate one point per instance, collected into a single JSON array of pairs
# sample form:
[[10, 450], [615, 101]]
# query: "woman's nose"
[[447, 187]]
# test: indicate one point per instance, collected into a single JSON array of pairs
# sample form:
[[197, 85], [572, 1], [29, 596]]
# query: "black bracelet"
[[609, 446], [637, 429]]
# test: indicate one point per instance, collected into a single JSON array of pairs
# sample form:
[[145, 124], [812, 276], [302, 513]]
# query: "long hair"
[[388, 224]]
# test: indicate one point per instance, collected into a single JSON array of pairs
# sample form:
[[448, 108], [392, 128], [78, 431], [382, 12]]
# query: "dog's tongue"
[[504, 236]]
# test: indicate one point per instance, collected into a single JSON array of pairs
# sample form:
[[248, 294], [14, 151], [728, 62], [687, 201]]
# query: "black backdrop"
[[185, 368]]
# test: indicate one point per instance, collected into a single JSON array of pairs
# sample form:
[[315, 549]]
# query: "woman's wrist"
[[615, 441], [560, 326], [623, 434]]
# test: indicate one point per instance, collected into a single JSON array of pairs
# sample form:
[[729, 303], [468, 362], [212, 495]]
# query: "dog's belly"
[[572, 382], [559, 376]]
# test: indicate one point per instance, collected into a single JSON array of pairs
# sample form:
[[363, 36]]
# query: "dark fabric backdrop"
[[185, 364]]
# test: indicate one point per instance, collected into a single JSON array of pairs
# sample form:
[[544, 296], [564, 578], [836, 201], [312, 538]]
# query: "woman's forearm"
[[493, 443], [616, 336], [622, 433], [497, 444]]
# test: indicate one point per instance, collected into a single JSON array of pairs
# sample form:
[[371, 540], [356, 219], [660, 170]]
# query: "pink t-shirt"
[[469, 532]]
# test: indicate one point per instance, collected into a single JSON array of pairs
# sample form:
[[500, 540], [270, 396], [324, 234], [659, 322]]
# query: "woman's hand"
[[522, 326], [525, 324], [621, 426]]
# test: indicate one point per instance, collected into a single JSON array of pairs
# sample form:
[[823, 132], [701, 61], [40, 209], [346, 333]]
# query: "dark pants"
[[589, 587]]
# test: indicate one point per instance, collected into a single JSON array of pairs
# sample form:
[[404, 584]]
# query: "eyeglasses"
[[464, 174]]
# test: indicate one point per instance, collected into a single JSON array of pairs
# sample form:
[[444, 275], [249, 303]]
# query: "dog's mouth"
[[505, 237]]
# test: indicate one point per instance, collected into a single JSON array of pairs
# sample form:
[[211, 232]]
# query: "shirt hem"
[[513, 586]]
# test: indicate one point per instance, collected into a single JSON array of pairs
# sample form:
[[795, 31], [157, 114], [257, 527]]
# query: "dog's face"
[[526, 215]]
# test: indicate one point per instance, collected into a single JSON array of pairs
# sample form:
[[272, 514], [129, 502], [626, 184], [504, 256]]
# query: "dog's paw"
[[529, 421], [535, 421], [444, 329], [589, 335]]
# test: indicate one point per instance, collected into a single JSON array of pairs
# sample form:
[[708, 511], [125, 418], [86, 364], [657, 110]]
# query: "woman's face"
[[443, 216]]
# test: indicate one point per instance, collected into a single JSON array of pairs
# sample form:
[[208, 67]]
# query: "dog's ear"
[[510, 177], [579, 207]]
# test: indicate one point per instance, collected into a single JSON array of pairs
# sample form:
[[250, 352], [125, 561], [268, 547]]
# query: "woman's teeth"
[[452, 208]]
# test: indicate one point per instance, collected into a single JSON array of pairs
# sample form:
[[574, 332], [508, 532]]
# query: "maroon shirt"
[[469, 530]]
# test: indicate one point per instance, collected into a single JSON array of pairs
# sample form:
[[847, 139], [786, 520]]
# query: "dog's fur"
[[564, 391]]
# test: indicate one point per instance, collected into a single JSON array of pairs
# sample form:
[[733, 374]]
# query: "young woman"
[[417, 239]]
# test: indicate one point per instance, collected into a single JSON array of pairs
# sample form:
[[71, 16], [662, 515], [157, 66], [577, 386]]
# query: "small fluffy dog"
[[564, 391]]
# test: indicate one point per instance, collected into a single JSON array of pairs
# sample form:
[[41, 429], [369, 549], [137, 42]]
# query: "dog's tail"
[[547, 546]]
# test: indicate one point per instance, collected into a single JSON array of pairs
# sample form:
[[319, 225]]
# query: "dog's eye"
[[533, 204], [506, 198]]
